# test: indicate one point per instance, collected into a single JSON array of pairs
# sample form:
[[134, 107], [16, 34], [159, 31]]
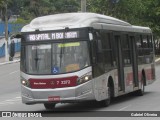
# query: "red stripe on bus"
[[139, 76], [149, 74], [53, 83], [129, 78]]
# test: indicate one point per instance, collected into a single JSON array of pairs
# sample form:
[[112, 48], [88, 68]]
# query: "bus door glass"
[[119, 59], [129, 60], [134, 60]]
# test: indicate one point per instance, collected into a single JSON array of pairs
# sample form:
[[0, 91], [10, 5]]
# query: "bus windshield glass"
[[55, 58]]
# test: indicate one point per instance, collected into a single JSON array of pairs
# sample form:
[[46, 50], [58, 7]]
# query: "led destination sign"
[[53, 36]]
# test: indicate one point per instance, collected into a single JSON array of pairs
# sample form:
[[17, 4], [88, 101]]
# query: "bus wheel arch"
[[110, 92]]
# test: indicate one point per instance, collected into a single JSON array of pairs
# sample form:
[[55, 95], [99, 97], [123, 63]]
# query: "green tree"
[[36, 8], [152, 16], [3, 4], [137, 12]]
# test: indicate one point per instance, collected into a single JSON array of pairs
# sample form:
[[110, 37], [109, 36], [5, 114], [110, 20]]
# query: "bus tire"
[[140, 92], [106, 102], [49, 106]]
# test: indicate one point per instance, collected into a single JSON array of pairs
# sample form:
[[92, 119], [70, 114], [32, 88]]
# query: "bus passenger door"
[[119, 60], [134, 61]]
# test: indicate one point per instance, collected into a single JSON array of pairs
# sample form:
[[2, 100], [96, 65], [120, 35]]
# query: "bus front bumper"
[[78, 93]]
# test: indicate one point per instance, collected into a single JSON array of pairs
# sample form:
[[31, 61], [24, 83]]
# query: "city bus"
[[76, 57]]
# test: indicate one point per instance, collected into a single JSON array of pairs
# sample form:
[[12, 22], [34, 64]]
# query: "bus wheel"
[[106, 102], [49, 106], [140, 92]]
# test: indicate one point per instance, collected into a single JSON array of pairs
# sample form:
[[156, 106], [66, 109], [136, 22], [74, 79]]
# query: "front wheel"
[[49, 106]]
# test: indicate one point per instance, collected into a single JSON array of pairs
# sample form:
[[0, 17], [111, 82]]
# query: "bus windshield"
[[56, 58]]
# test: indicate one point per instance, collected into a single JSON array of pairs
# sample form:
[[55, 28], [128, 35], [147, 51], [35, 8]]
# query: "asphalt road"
[[10, 97]]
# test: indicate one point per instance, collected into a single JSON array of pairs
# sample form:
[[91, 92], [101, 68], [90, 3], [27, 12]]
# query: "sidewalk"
[[15, 59]]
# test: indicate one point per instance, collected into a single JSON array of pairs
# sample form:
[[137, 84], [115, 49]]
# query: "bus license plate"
[[54, 98]]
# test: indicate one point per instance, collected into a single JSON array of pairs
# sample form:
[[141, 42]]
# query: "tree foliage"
[[36, 8], [137, 12]]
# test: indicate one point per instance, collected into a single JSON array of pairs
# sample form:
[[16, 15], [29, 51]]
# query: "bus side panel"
[[128, 77], [100, 87], [101, 82], [149, 70]]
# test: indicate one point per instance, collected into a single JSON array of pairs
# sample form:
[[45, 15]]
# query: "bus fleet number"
[[64, 82]]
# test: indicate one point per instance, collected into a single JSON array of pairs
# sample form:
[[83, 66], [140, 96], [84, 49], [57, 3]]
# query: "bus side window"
[[150, 42], [145, 42], [93, 51], [99, 67], [147, 49], [98, 41], [139, 44], [126, 50], [99, 44], [100, 54]]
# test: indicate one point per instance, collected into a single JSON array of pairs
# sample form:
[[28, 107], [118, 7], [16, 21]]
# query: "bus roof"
[[73, 20]]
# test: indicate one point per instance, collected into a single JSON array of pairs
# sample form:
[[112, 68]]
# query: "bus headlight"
[[25, 82], [84, 78]]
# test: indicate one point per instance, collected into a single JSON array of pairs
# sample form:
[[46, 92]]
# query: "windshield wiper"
[[61, 52], [36, 59]]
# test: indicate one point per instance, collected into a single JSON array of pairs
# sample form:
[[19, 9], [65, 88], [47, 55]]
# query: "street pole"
[[83, 5], [6, 33]]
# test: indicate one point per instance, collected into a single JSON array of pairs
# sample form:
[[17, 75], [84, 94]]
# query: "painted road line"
[[14, 72], [13, 100], [157, 60], [15, 61], [8, 103], [5, 103], [124, 108], [19, 97]]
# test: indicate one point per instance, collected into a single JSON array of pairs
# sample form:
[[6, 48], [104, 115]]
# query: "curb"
[[14, 61]]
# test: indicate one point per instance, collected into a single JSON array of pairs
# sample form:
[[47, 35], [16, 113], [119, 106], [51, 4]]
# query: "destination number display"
[[53, 36]]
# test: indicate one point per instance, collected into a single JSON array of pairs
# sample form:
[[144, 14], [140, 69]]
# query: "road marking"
[[18, 97], [14, 72], [10, 101], [124, 108], [157, 60], [2, 103], [15, 61], [13, 100]]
